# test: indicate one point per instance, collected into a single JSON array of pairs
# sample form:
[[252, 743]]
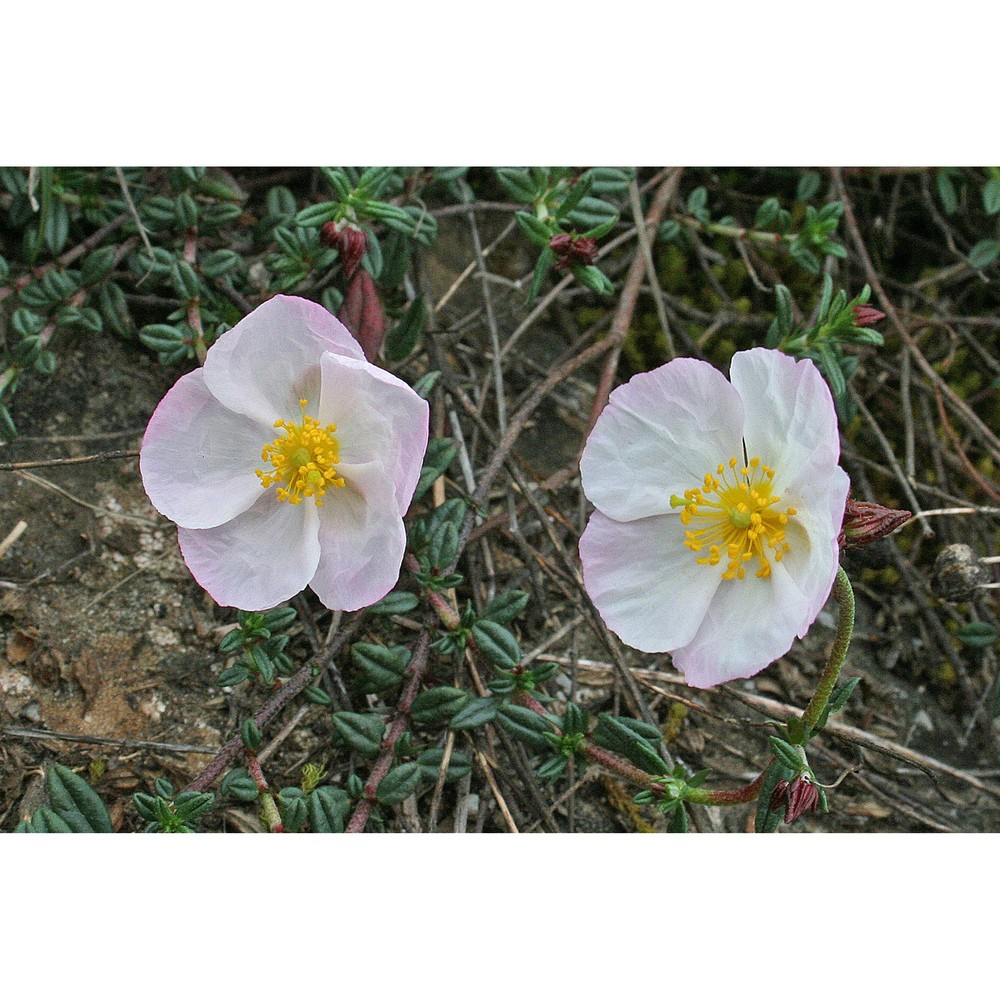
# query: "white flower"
[[718, 510], [287, 460]]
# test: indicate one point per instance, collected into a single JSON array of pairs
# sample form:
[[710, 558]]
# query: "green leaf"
[[977, 634], [189, 806], [574, 721], [526, 724], [316, 695], [403, 337], [984, 253], [786, 754], [697, 200], [437, 705], [809, 185], [542, 267], [505, 607], [97, 265], [400, 783], [576, 194], [496, 643], [767, 214], [219, 262], [56, 226], [328, 808], [114, 309], [69, 792], [533, 227], [767, 821], [550, 769], [991, 196], [593, 212], [399, 602], [362, 733], [842, 694], [162, 337], [476, 712], [380, 667], [616, 732], [279, 618], [317, 215], [233, 675], [517, 183], [442, 546], [186, 280], [47, 820], [441, 453], [608, 180], [946, 190], [239, 785], [429, 762]]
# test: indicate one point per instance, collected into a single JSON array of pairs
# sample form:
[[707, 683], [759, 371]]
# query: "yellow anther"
[[737, 518], [303, 460]]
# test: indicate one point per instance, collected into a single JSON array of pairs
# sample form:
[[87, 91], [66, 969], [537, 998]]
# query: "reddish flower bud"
[[584, 250], [867, 315], [803, 797], [353, 244], [561, 244], [570, 250], [362, 313], [329, 234], [866, 522], [779, 797]]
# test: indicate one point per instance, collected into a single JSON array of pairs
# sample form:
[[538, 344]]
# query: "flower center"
[[304, 460], [737, 518]]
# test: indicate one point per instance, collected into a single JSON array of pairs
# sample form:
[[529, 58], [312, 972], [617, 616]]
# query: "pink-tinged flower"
[[718, 509], [287, 460]]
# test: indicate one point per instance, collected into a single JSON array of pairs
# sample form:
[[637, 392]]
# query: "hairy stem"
[[844, 594], [416, 670]]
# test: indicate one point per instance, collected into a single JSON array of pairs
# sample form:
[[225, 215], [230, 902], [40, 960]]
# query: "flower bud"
[[803, 796], [362, 313], [329, 234], [353, 245], [957, 573], [867, 315], [584, 250], [866, 522], [779, 797], [573, 250]]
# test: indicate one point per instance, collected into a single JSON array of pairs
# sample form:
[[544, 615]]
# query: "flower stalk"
[[844, 594]]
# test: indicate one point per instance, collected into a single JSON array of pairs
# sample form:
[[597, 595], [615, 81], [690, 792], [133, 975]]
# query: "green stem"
[[844, 594], [736, 232]]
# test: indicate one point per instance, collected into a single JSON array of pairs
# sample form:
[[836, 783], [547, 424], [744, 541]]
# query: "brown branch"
[[288, 690], [416, 669]]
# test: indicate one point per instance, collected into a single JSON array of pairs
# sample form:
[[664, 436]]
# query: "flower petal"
[[198, 458], [749, 624], [362, 539], [378, 417], [812, 535], [269, 361], [791, 423], [645, 583], [260, 558], [659, 434]]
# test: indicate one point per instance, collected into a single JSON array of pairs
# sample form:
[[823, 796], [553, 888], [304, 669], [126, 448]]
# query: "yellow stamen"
[[304, 460], [738, 518]]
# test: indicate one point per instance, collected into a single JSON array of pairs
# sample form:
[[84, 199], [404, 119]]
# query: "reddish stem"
[[416, 670]]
